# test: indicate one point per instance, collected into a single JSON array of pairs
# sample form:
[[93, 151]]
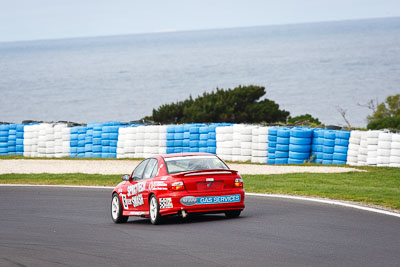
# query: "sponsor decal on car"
[[134, 192], [137, 200], [166, 203], [136, 188], [157, 185], [191, 200]]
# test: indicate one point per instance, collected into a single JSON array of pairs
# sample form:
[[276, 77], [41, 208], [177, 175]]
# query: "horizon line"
[[171, 31]]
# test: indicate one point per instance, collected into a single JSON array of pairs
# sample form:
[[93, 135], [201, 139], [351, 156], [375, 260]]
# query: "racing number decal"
[[124, 202]]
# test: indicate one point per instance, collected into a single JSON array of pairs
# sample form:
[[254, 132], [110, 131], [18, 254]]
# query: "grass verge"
[[378, 186]]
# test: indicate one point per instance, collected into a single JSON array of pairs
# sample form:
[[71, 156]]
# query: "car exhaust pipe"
[[184, 214]]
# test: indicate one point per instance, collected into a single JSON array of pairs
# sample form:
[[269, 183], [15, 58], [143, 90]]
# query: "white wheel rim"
[[153, 209], [115, 208]]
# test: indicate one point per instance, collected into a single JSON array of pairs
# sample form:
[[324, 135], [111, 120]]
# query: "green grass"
[[378, 186]]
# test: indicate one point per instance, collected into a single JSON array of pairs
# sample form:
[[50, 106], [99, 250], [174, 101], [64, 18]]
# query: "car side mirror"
[[126, 177]]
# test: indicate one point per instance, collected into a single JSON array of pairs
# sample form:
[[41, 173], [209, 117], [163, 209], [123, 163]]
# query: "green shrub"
[[239, 105]]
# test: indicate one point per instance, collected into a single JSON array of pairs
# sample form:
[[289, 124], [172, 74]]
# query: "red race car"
[[178, 184]]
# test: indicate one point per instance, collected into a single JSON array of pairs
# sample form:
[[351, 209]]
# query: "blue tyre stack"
[[341, 147], [96, 140], [113, 140], [282, 146], [74, 142], [105, 141], [109, 140], [20, 140], [186, 138], [194, 138], [211, 141], [81, 142], [170, 139], [328, 147], [4, 128], [12, 139], [89, 141], [178, 138], [272, 138], [203, 136], [317, 145], [300, 145]]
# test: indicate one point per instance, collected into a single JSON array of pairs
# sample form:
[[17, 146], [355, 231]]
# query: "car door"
[[148, 174], [132, 199]]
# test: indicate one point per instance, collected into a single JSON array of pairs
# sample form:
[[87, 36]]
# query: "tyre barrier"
[[353, 148], [282, 145], [272, 143], [259, 145], [340, 147], [191, 138], [224, 141], [232, 142]]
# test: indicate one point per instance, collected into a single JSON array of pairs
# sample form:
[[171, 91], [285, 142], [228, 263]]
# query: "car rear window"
[[194, 163]]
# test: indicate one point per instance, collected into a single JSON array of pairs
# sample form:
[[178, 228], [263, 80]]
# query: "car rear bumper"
[[201, 202]]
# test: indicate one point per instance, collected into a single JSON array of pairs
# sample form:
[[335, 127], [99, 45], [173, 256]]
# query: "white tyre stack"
[[372, 140], [259, 150], [384, 146], [122, 136], [151, 141], [140, 138], [236, 140], [354, 147], [224, 137], [363, 150], [394, 159], [66, 142], [59, 150], [162, 139], [50, 144], [246, 143], [129, 144], [31, 140], [42, 140]]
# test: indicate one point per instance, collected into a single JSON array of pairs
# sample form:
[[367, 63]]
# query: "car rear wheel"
[[116, 210], [154, 210], [232, 213]]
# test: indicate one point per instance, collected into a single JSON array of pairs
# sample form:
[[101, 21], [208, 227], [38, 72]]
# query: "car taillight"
[[238, 182], [177, 186]]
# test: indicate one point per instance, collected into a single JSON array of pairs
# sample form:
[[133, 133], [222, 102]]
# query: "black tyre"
[[154, 210], [232, 213], [116, 210]]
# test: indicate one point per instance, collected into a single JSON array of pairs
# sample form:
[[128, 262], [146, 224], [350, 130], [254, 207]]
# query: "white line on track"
[[328, 201], [324, 201]]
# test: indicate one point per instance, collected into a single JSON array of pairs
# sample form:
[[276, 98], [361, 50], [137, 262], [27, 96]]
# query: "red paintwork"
[[194, 180]]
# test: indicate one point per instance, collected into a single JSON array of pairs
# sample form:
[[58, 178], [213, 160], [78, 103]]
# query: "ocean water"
[[306, 68]]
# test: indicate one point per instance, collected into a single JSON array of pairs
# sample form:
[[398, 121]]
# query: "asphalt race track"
[[46, 226]]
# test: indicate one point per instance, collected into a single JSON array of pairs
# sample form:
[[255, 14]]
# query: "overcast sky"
[[51, 19]]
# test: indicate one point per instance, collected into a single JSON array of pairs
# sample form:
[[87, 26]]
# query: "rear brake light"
[[177, 186], [238, 182]]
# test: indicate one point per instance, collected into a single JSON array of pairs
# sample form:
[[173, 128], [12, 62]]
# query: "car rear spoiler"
[[202, 172]]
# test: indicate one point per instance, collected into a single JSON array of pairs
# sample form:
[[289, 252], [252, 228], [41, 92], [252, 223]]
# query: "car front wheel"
[[116, 210], [154, 210]]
